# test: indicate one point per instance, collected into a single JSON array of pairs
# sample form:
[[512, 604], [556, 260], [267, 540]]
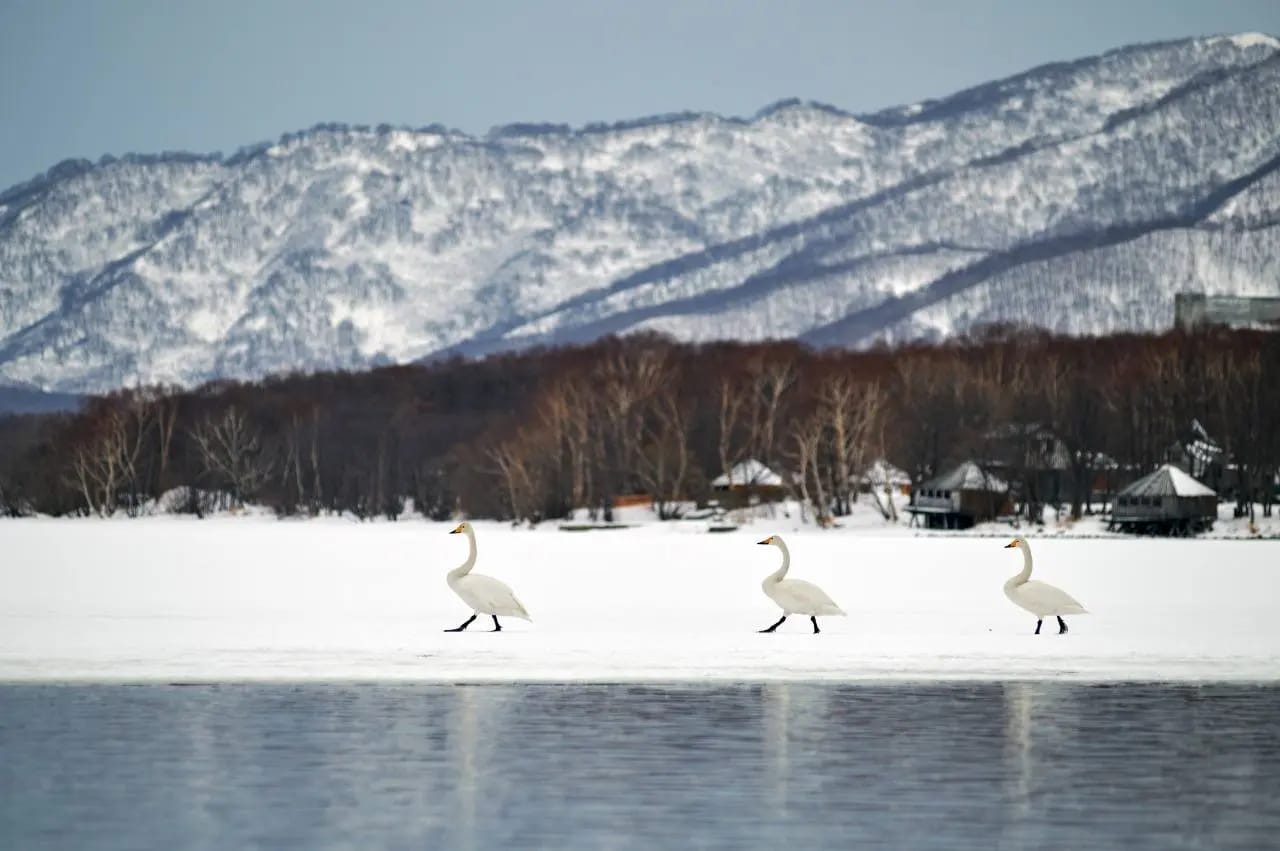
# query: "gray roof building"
[[958, 498], [1167, 481], [966, 476], [1168, 501]]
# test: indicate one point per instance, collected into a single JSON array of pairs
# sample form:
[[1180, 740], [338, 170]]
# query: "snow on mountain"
[[1078, 195]]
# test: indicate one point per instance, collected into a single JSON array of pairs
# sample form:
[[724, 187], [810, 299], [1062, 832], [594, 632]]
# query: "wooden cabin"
[[749, 481], [1166, 502], [959, 498], [882, 475]]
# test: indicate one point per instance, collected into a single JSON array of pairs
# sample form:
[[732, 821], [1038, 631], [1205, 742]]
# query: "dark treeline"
[[533, 435]]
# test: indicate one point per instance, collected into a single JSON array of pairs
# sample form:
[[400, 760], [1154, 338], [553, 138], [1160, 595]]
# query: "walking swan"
[[795, 596], [1039, 598], [484, 594]]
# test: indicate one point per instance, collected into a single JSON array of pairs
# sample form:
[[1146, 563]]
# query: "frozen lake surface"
[[253, 599], [627, 766]]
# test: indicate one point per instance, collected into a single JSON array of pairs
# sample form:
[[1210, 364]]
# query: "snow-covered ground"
[[173, 599]]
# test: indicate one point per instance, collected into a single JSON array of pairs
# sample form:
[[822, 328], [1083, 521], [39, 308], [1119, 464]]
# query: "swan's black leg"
[[776, 625], [1038, 626], [815, 624], [1062, 625], [465, 624], [497, 627]]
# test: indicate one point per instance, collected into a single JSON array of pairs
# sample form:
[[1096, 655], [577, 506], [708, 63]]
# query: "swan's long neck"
[[465, 568], [1026, 564], [777, 575]]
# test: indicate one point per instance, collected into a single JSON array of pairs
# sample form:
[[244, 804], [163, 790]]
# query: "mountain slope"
[[1079, 196]]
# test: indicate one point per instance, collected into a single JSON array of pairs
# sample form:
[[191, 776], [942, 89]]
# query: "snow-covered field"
[[173, 599]]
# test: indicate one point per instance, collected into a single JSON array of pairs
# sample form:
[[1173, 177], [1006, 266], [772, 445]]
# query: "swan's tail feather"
[[522, 613]]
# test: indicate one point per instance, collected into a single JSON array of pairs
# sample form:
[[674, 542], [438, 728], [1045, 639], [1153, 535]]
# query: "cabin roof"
[[967, 476], [882, 473], [748, 472], [1167, 481]]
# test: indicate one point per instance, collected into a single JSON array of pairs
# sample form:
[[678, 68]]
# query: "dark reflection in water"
[[1003, 765]]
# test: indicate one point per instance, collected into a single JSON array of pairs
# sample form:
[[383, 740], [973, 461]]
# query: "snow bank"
[[177, 599]]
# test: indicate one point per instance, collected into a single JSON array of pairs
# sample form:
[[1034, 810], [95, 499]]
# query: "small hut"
[[958, 498], [882, 475], [748, 481], [1166, 502]]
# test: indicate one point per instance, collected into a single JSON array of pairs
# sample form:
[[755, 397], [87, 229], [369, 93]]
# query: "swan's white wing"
[[488, 596], [1044, 599], [796, 596]]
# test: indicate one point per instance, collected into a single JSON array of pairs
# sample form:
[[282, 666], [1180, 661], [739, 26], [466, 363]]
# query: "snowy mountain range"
[[1077, 196]]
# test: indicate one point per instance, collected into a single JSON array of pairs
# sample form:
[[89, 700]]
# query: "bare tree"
[[97, 474], [850, 411], [1239, 388], [664, 458], [730, 446], [514, 460], [770, 380], [231, 449], [627, 380], [885, 505], [317, 492], [807, 437], [105, 462], [165, 407], [565, 411], [291, 463], [927, 419]]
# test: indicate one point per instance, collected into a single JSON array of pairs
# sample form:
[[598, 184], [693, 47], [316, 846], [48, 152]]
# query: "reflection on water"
[[1019, 698], [1002, 765]]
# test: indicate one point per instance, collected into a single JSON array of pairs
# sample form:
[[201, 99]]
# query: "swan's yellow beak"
[[459, 529], [1012, 543], [768, 540]]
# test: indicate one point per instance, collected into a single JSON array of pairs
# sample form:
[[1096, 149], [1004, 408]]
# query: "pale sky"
[[82, 78]]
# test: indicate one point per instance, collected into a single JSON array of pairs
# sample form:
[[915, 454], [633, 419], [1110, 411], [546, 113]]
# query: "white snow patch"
[[1245, 40], [404, 140], [209, 323]]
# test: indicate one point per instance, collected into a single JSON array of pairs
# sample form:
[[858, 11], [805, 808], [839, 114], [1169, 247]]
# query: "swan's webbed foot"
[[497, 627], [1039, 623], [1062, 626], [776, 625], [464, 625], [815, 624]]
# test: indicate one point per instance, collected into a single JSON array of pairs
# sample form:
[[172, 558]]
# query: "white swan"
[[795, 596], [484, 594], [1039, 598]]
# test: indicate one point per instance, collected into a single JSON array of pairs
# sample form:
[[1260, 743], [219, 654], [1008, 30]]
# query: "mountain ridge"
[[346, 246], [519, 128], [823, 335]]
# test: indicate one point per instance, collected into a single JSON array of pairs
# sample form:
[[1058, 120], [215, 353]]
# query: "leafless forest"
[[532, 435]]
